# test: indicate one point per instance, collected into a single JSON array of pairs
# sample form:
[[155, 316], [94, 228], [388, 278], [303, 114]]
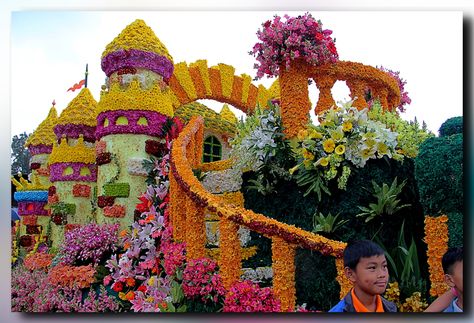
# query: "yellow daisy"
[[329, 145], [347, 126]]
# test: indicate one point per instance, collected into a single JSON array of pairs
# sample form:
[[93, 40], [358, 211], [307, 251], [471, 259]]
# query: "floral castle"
[[89, 165]]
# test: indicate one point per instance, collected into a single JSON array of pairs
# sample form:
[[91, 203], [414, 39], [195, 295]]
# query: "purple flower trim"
[[154, 128], [74, 130], [31, 196], [40, 149], [137, 59], [32, 208], [56, 172]]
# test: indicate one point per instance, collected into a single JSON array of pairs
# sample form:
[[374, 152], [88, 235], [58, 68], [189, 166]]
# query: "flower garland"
[[198, 81], [283, 265], [436, 238], [217, 165], [341, 278], [195, 231], [230, 252], [294, 98]]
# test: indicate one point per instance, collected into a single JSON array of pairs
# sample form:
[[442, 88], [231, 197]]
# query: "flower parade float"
[[148, 201]]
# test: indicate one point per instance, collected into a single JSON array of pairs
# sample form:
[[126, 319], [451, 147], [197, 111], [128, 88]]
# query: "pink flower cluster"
[[174, 256], [201, 280], [283, 41], [249, 297], [405, 99]]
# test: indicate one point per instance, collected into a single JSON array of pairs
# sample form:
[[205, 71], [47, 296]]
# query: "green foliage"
[[315, 274], [439, 173], [117, 189], [20, 156], [387, 202], [451, 126], [327, 224], [455, 229], [404, 266], [410, 135], [312, 181]]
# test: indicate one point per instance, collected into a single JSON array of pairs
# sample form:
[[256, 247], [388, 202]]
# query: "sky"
[[49, 51]]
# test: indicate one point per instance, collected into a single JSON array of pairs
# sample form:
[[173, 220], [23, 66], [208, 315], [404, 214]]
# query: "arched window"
[[85, 171], [142, 121], [106, 122], [68, 171], [212, 150], [121, 121]]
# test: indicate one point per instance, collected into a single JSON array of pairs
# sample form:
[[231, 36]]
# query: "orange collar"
[[359, 307]]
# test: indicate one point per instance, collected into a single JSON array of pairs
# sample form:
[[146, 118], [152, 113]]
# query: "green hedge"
[[451, 126], [315, 278], [63, 209], [439, 173], [455, 229]]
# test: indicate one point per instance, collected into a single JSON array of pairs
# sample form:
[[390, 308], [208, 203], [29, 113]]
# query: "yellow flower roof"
[[212, 120], [274, 90], [228, 115], [79, 153], [81, 110], [139, 36], [44, 134]]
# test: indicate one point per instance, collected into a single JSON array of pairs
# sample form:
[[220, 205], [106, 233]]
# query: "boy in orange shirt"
[[366, 267]]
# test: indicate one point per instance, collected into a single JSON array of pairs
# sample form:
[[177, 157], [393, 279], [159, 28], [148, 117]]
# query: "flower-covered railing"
[[198, 81], [189, 200], [295, 103]]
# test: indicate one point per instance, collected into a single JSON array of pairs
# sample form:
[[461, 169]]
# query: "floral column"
[[73, 171], [135, 110]]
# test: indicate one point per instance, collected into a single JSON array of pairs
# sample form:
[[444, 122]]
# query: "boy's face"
[[455, 278], [370, 275]]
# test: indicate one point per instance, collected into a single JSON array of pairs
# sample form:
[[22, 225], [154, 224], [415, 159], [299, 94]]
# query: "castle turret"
[[32, 199], [134, 110], [40, 145], [73, 170]]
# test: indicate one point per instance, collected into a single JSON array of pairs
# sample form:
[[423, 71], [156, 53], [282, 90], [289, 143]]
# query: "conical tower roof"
[[137, 47], [80, 111], [228, 115], [44, 134], [137, 35]]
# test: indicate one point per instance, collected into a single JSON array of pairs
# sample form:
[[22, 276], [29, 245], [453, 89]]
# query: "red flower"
[[319, 36], [117, 286], [144, 206], [267, 24], [142, 289]]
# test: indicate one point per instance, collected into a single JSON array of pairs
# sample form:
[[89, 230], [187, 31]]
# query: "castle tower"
[[40, 145], [134, 111], [34, 218], [73, 170]]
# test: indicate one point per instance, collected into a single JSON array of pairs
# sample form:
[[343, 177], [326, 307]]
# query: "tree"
[[20, 156]]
